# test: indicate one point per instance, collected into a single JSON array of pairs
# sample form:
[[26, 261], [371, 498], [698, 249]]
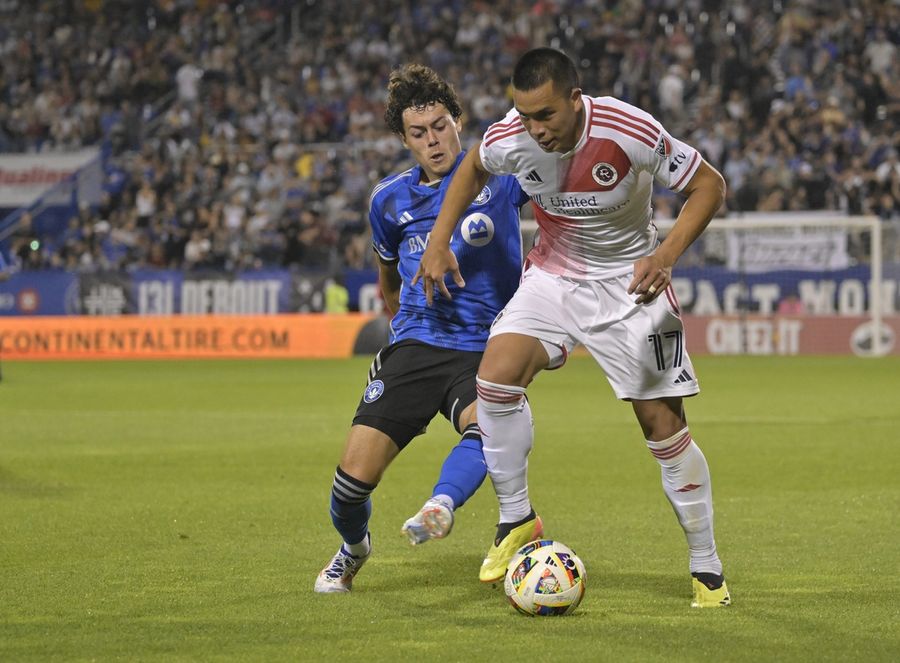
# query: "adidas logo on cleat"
[[684, 377]]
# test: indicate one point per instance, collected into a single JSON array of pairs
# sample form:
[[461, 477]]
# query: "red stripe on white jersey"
[[641, 128], [689, 169], [502, 126], [493, 138], [654, 129], [622, 130]]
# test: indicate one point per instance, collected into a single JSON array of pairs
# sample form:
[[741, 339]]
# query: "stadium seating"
[[248, 135]]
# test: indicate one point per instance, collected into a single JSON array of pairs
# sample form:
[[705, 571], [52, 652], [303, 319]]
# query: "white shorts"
[[641, 348]]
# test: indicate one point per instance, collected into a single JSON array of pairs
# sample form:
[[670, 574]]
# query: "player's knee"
[[367, 453], [366, 470], [501, 372], [660, 418], [512, 359]]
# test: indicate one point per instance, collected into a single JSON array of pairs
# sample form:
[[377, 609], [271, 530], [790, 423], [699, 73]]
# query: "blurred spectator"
[[197, 250], [336, 296], [246, 134]]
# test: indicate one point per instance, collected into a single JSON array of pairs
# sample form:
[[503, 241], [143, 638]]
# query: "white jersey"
[[593, 203]]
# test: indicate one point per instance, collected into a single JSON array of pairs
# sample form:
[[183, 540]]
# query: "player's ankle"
[[503, 529], [712, 581]]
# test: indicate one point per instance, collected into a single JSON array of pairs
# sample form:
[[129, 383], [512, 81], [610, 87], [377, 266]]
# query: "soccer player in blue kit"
[[434, 351]]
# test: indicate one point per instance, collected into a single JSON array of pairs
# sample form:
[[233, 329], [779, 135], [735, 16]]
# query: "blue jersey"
[[487, 244]]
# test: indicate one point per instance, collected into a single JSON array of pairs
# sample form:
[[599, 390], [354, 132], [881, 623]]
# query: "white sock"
[[507, 432], [686, 482], [360, 549], [446, 500]]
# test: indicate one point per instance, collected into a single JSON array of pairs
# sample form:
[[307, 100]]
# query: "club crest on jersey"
[[604, 174], [477, 229], [664, 148], [373, 391], [483, 197]]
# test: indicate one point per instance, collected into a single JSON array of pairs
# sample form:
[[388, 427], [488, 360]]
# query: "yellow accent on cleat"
[[493, 568], [704, 597]]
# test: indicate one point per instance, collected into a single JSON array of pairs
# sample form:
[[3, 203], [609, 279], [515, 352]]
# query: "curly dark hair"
[[417, 86]]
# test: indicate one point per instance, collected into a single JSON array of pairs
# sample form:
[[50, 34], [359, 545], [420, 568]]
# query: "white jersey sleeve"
[[651, 148], [499, 144], [677, 162]]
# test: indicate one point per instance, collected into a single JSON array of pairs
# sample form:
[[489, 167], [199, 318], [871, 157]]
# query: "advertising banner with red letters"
[[25, 177]]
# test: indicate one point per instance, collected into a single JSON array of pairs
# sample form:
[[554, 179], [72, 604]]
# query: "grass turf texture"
[[179, 511]]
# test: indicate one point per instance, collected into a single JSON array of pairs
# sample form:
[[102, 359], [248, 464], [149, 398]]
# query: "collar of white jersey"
[[586, 103]]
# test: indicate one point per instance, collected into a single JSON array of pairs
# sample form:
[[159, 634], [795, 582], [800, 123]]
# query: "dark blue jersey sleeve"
[[385, 235]]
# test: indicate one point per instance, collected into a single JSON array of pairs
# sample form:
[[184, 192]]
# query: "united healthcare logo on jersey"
[[477, 229], [373, 391], [483, 197]]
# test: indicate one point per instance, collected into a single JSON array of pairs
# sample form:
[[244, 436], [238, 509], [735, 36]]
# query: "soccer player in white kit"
[[597, 276]]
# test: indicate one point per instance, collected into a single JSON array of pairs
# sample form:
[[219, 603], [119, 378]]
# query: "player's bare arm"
[[390, 280], [468, 180], [705, 193]]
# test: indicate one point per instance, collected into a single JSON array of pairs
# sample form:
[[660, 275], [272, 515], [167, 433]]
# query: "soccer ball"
[[545, 578]]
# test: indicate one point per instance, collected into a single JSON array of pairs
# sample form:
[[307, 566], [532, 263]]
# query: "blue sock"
[[350, 506], [464, 470]]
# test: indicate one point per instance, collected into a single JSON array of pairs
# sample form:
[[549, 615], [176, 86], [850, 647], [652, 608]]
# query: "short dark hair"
[[540, 65], [417, 86]]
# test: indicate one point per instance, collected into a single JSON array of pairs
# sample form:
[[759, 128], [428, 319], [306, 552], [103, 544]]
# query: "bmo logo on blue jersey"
[[477, 229]]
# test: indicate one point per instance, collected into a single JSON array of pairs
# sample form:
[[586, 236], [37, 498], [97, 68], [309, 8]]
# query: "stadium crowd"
[[248, 134]]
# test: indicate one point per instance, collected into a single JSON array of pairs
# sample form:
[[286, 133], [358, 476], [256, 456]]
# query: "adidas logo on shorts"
[[684, 377]]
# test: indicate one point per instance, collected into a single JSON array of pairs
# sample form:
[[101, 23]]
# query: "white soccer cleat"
[[337, 576], [433, 521]]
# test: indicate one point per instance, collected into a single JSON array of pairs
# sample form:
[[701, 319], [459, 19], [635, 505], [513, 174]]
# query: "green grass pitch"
[[179, 511]]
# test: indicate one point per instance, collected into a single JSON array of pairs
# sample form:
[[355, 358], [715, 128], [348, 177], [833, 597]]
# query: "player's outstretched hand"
[[435, 263], [651, 277]]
